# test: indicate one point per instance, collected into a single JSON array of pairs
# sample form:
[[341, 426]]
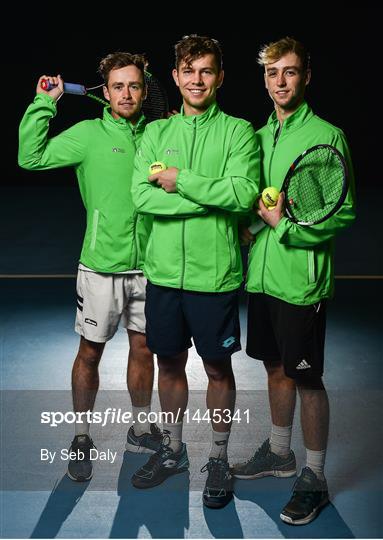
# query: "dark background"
[[346, 63], [345, 90]]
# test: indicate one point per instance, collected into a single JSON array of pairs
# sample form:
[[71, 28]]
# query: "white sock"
[[219, 444], [141, 424], [280, 439], [82, 427], [315, 459], [174, 432]]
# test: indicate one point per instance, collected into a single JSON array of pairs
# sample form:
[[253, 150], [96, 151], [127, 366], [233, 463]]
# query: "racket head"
[[315, 185], [156, 105]]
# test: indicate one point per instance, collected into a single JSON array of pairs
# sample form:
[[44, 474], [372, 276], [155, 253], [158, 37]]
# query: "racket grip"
[[256, 227], [69, 88]]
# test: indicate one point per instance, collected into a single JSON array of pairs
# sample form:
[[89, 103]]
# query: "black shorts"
[[174, 316], [287, 333]]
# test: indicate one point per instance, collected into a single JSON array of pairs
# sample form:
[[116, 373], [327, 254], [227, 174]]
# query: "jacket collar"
[[122, 123], [294, 121], [201, 120]]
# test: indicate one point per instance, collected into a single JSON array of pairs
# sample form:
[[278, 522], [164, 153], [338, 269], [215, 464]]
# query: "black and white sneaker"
[[147, 443], [310, 495], [219, 484], [161, 465], [80, 468], [265, 463]]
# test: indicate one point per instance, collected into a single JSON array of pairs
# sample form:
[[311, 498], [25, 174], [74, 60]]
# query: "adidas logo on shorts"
[[303, 365]]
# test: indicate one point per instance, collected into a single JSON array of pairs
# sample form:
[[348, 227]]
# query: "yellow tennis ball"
[[156, 167], [270, 197]]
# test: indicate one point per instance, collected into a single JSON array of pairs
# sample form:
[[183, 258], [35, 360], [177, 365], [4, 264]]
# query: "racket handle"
[[256, 227], [69, 88]]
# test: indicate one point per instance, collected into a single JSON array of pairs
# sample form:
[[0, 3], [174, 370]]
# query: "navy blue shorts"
[[174, 316], [287, 333]]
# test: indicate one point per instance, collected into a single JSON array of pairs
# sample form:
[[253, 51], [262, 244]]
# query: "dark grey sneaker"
[[80, 468], [310, 495], [161, 465], [219, 484], [147, 443], [265, 463]]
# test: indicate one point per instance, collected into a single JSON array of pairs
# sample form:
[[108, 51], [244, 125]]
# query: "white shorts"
[[105, 299]]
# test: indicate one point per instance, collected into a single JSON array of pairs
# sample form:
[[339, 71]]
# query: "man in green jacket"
[[289, 278], [110, 282], [193, 260]]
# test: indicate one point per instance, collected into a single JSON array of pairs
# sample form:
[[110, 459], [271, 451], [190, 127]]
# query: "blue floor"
[[37, 347]]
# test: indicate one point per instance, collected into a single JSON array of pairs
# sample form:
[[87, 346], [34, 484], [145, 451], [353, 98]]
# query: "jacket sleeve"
[[291, 234], [148, 198], [238, 188], [36, 151]]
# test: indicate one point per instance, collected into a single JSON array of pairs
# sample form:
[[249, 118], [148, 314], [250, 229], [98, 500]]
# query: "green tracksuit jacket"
[[102, 152], [292, 262], [194, 241]]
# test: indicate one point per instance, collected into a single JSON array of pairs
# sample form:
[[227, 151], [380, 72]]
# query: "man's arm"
[[238, 188], [148, 197], [36, 151]]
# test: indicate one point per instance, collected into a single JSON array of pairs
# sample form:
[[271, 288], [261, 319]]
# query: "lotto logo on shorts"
[[229, 341], [90, 321]]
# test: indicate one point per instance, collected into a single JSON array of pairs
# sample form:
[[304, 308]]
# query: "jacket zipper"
[[135, 216], [183, 221], [276, 139], [136, 244]]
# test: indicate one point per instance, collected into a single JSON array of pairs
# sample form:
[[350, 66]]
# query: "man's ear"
[[175, 77], [145, 93], [106, 93], [265, 79], [221, 76], [308, 76]]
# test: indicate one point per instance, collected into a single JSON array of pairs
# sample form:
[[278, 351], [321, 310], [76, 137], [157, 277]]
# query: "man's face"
[[286, 81], [198, 83], [125, 91]]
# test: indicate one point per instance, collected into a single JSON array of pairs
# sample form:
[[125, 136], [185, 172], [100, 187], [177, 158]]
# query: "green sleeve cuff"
[[179, 181], [282, 228], [45, 98]]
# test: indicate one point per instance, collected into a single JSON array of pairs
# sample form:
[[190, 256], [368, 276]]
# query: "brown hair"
[[119, 60], [191, 47]]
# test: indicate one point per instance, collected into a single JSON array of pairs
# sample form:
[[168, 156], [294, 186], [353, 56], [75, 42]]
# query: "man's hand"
[[166, 179], [272, 217], [55, 92]]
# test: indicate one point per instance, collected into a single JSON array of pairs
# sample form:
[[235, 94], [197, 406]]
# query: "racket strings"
[[156, 105], [316, 186]]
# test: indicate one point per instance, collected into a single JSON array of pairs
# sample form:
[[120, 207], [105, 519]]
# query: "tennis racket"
[[154, 107], [73, 88], [315, 186]]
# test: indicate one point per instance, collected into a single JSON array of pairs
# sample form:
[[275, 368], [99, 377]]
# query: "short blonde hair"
[[272, 52]]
